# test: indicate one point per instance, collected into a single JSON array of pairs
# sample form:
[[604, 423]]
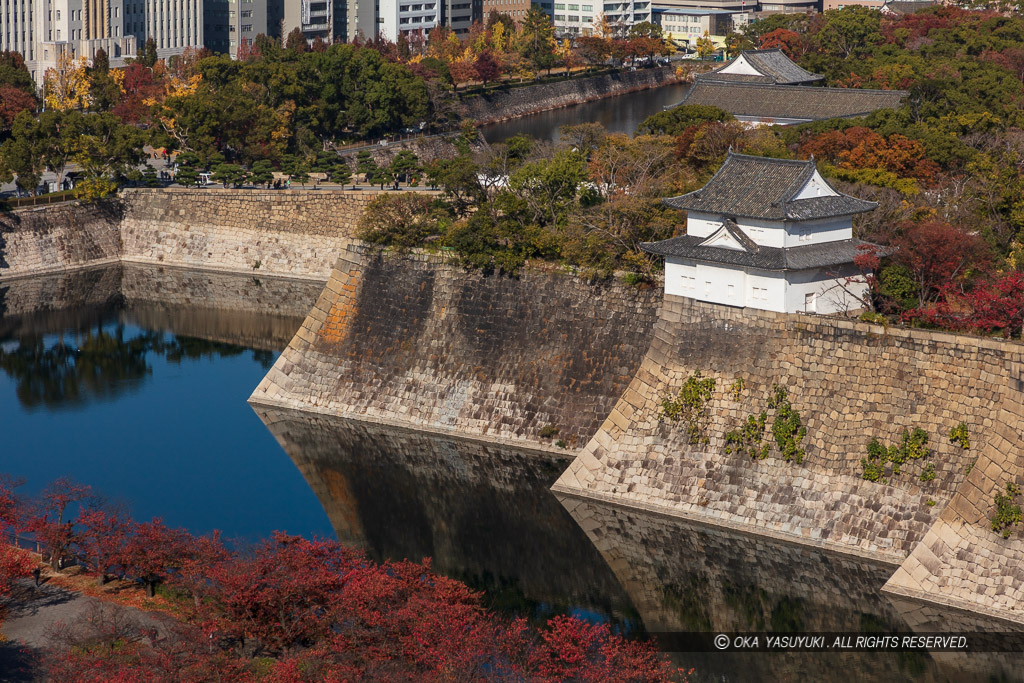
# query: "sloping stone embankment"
[[850, 382], [56, 238], [515, 102], [289, 233], [273, 232], [420, 343]]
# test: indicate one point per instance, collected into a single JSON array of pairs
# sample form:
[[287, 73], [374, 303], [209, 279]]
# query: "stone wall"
[[417, 342], [514, 102], [850, 382], [289, 233], [294, 233], [56, 238]]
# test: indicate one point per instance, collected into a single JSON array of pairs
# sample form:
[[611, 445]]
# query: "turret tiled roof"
[[759, 187], [791, 102], [774, 67], [820, 255]]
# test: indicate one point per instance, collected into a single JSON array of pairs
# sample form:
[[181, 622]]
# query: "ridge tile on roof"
[[821, 255], [773, 65], [761, 187], [790, 102]]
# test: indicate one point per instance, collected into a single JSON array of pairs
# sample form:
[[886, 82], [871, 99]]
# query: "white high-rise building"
[[44, 30], [626, 14], [406, 16], [575, 18]]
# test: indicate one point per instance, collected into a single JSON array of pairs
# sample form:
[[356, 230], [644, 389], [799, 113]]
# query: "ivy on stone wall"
[[787, 428], [749, 438], [912, 446], [690, 406], [959, 435], [1007, 514]]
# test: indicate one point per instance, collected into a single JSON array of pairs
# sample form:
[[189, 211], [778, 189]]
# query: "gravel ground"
[[34, 615]]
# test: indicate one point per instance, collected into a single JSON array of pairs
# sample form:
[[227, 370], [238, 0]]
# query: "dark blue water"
[[152, 419], [619, 114]]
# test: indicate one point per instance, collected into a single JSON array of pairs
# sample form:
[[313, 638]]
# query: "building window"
[[760, 294], [246, 28], [246, 13]]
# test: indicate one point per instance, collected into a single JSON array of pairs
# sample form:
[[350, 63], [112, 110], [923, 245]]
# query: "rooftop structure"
[[772, 189], [790, 104], [770, 67], [769, 234]]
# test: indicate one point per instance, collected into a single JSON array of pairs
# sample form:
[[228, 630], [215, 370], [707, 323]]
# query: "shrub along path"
[[38, 618]]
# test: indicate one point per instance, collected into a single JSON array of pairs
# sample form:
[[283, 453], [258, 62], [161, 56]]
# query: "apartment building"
[[575, 18], [330, 20], [624, 15], [407, 16], [516, 9], [228, 24], [44, 30]]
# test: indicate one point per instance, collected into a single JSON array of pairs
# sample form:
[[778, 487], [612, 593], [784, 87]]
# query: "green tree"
[[229, 174], [189, 166], [149, 56], [366, 165], [645, 29], [106, 148], [341, 172], [404, 166], [14, 73], [262, 173], [460, 180], [23, 153], [850, 32], [296, 41], [537, 43], [678, 119], [296, 168], [100, 62]]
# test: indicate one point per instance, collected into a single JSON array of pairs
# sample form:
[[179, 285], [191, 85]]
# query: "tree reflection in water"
[[100, 363]]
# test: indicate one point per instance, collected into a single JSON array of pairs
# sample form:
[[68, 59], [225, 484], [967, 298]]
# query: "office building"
[[44, 30]]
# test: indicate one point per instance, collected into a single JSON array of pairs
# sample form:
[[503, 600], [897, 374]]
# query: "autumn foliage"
[[290, 609]]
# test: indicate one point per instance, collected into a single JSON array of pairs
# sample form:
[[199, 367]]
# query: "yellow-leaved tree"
[[705, 46], [498, 36], [66, 87]]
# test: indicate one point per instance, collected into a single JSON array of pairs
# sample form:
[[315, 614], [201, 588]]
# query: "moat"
[[134, 380]]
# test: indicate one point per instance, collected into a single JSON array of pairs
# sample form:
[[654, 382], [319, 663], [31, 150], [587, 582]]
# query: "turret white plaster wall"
[[782, 292]]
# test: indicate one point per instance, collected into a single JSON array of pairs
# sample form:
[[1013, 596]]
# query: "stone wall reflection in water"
[[482, 512], [73, 338], [684, 577]]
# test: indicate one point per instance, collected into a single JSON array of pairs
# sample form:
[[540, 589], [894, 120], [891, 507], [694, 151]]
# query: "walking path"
[[34, 616]]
